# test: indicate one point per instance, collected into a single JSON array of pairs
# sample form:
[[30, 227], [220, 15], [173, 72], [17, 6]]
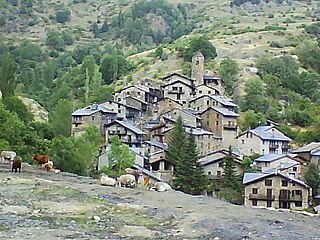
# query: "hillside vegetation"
[[68, 54]]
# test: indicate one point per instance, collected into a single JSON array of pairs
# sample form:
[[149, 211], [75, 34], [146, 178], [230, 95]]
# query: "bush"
[[63, 15]]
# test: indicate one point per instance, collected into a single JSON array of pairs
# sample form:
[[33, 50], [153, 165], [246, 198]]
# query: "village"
[[144, 114]]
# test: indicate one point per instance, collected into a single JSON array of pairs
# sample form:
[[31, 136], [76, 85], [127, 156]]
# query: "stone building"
[[275, 190]]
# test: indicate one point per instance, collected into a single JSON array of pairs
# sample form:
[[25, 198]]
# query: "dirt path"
[[39, 205]]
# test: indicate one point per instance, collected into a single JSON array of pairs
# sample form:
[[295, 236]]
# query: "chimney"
[[94, 106]]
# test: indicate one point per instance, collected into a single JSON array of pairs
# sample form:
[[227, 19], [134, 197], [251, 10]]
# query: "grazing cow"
[[127, 180], [41, 159], [16, 164], [134, 172], [7, 155]]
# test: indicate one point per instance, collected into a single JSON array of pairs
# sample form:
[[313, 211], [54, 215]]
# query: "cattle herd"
[[131, 178], [16, 161]]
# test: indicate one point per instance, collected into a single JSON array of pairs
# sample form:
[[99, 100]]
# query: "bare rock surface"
[[39, 205]]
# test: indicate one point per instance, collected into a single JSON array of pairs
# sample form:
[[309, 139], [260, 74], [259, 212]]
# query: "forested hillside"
[[68, 54]]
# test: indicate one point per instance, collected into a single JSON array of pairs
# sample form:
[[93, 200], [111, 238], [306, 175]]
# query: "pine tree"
[[230, 176], [183, 153], [177, 145], [190, 174]]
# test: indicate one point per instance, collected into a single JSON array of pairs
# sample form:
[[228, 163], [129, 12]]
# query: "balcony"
[[273, 146], [130, 115], [296, 198], [176, 92], [231, 127], [117, 132], [261, 197]]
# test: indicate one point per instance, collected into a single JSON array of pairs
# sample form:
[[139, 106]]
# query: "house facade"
[[203, 102], [263, 140], [213, 163], [223, 123], [202, 90], [179, 88], [94, 114], [275, 190], [138, 91], [164, 105], [127, 133]]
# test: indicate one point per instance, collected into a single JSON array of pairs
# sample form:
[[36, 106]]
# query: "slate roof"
[[282, 167], [178, 74], [87, 111], [272, 157], [128, 126], [198, 131], [141, 87], [157, 144], [216, 156], [213, 77], [266, 133], [315, 152], [178, 80], [308, 148], [224, 101], [223, 111]]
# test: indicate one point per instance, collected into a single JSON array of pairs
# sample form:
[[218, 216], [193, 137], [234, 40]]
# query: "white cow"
[[7, 156]]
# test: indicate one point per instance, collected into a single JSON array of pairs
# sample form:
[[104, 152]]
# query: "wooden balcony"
[[261, 197], [117, 132], [231, 127], [296, 198], [175, 92]]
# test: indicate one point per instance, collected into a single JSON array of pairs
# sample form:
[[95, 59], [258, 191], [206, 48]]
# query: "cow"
[[16, 164], [41, 159], [7, 155]]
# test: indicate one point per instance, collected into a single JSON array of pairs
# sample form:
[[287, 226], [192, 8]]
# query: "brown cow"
[[41, 159], [16, 164]]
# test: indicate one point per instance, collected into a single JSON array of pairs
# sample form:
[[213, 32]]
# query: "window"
[[294, 169], [269, 203], [242, 141], [220, 164], [138, 93], [298, 204], [93, 117], [217, 123], [254, 190], [200, 91], [208, 102], [218, 173], [284, 183], [268, 182], [174, 88], [298, 192], [209, 173], [119, 111], [254, 202], [209, 92], [265, 164]]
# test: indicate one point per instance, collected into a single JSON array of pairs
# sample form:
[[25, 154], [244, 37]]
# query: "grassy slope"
[[214, 18]]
